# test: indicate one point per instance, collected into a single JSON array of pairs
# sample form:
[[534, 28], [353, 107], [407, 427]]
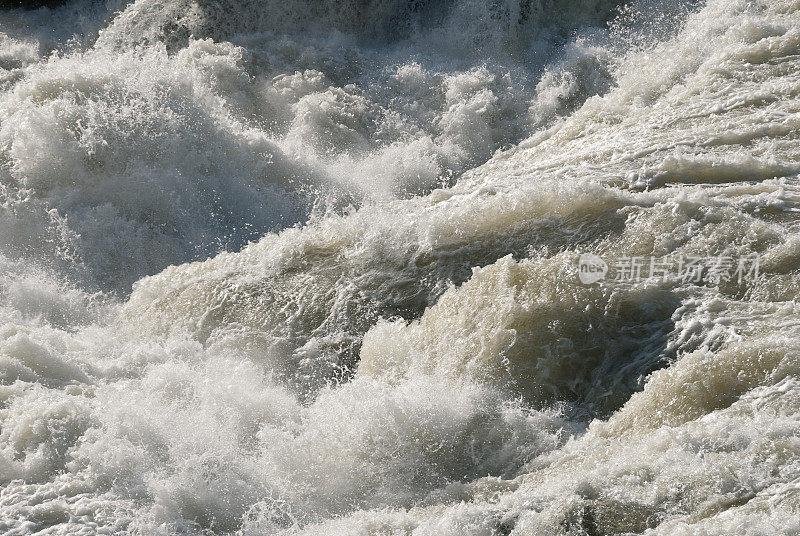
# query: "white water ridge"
[[400, 267]]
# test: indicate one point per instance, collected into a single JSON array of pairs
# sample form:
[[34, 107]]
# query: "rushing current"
[[400, 267]]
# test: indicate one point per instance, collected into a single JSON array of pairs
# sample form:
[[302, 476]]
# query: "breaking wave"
[[313, 267]]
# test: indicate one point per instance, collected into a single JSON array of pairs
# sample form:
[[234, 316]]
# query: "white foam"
[[309, 267]]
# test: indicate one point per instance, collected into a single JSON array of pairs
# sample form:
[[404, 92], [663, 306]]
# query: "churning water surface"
[[361, 267]]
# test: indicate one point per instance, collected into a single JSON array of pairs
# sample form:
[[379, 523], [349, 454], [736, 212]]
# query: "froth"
[[288, 268]]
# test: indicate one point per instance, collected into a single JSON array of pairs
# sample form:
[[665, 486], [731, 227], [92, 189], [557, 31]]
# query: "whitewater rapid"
[[315, 267]]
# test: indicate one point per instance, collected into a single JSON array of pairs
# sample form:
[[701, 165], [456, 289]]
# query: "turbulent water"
[[320, 267]]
